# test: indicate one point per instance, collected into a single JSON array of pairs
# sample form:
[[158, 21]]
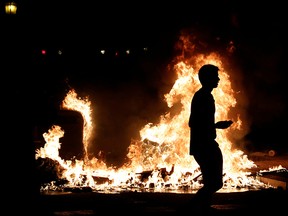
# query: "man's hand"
[[223, 124]]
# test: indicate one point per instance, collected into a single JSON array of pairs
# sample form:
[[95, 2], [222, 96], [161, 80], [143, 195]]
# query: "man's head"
[[208, 75]]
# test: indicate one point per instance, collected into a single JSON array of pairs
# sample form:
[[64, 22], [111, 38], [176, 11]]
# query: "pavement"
[[270, 201], [259, 202], [23, 198]]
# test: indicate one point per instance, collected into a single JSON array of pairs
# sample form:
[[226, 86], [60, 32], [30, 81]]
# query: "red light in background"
[[43, 52]]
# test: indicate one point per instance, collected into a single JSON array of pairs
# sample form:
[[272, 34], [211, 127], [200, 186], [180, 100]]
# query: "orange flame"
[[161, 158]]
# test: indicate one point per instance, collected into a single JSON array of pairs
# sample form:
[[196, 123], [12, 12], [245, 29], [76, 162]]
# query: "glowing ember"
[[160, 160]]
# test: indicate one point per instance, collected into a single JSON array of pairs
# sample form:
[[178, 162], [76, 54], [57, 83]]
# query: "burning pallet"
[[276, 178]]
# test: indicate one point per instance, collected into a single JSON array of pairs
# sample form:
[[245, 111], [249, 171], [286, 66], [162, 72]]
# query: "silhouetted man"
[[203, 145]]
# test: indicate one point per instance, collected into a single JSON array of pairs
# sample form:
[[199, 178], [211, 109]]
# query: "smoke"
[[127, 93], [261, 58]]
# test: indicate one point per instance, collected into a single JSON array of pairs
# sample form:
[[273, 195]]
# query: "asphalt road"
[[258, 202]]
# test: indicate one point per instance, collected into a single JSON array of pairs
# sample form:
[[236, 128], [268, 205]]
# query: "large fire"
[[160, 159]]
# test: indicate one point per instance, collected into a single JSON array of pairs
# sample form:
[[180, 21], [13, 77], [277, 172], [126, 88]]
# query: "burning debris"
[[49, 170], [160, 159], [278, 177]]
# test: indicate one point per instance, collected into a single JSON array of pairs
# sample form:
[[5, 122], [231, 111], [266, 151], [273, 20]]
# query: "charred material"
[[49, 170]]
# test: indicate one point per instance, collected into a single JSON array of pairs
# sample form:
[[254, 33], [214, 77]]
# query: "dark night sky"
[[259, 33], [30, 85]]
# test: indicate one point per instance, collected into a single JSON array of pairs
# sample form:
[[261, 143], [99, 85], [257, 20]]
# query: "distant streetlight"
[[10, 8]]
